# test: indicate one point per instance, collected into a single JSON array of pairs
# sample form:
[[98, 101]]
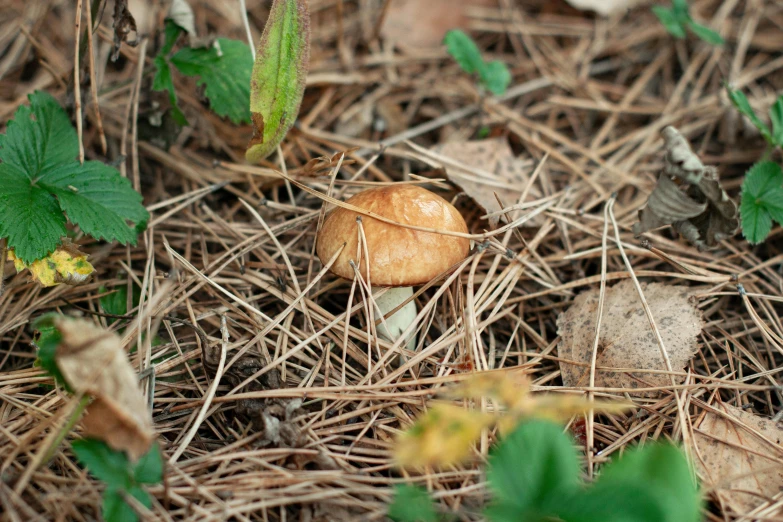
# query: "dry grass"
[[591, 94]]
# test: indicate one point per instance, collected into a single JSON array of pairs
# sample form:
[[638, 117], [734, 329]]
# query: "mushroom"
[[399, 257]]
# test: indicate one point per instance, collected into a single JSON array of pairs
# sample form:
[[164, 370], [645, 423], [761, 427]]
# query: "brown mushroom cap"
[[398, 256]]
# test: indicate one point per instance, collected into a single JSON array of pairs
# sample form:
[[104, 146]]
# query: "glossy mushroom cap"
[[398, 256]]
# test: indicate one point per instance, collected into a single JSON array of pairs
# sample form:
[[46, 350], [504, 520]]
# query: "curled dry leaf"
[[626, 339], [277, 82], [92, 361], [604, 7], [67, 264], [740, 457], [124, 25], [502, 175], [689, 197]]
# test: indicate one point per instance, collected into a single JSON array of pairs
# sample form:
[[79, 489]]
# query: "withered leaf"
[[124, 25], [416, 24], [626, 339], [503, 175], [744, 467], [92, 361], [604, 7], [689, 197]]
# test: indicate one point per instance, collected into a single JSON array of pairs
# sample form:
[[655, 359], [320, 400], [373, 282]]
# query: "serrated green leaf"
[[225, 71], [762, 199], [761, 178], [534, 467], [776, 117], [98, 199], [278, 76], [670, 21], [149, 468], [412, 504], [171, 32], [756, 221], [40, 137], [104, 463], [495, 76], [115, 509], [664, 473], [705, 34], [30, 217], [464, 51], [742, 104]]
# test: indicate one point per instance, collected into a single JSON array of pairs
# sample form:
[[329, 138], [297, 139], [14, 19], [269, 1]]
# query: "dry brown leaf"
[[689, 197], [92, 361], [416, 23], [604, 7], [626, 339], [491, 156], [742, 454]]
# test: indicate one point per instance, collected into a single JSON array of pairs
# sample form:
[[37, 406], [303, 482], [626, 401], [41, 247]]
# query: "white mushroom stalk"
[[395, 325]]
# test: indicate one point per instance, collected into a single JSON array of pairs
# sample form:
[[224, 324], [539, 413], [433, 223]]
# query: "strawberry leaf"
[[40, 179], [762, 199], [742, 104], [225, 70]]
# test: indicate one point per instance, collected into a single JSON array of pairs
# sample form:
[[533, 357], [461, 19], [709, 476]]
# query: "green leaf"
[[680, 9], [776, 117], [705, 33], [742, 104], [98, 199], [464, 50], [163, 81], [30, 217], [762, 199], [225, 70], [495, 76], [40, 179], [40, 137], [412, 504], [149, 468], [115, 509], [116, 303], [46, 340], [278, 76], [534, 467], [670, 21], [627, 501], [664, 474], [108, 465]]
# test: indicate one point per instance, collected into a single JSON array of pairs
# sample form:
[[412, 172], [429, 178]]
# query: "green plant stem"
[[73, 418]]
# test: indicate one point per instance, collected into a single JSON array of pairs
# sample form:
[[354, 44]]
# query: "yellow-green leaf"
[[65, 265], [278, 79]]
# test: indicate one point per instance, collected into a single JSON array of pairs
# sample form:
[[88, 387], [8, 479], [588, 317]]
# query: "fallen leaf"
[[501, 174], [626, 339], [446, 433], [689, 197], [604, 7], [92, 361], [65, 265], [442, 437], [124, 24], [744, 467], [415, 24]]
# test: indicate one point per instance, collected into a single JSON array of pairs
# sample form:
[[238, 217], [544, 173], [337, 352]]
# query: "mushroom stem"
[[402, 318]]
